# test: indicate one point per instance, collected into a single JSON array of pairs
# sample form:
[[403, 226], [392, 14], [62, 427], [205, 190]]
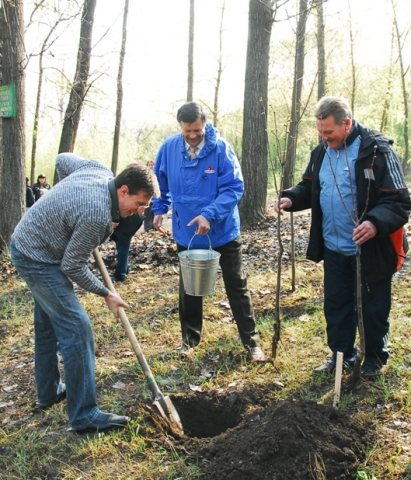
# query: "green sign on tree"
[[7, 101]]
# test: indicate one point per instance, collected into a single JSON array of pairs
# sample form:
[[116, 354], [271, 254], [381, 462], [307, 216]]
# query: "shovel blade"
[[168, 411]]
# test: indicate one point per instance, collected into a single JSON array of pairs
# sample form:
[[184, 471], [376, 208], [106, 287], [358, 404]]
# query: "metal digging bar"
[[163, 404]]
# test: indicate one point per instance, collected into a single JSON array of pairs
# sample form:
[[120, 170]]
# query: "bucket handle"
[[188, 248]]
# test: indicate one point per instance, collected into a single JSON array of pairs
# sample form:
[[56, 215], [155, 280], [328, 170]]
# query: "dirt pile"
[[284, 440]]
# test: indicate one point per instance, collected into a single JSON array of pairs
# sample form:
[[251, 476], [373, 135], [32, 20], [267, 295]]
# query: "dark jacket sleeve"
[[29, 197], [302, 194], [389, 200]]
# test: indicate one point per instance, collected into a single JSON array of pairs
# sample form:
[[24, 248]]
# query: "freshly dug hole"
[[287, 440], [206, 415]]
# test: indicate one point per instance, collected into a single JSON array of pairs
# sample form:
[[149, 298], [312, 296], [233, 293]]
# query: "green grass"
[[39, 446]]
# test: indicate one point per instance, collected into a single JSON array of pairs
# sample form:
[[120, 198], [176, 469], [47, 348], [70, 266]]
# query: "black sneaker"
[[255, 354], [186, 351], [329, 366], [115, 279]]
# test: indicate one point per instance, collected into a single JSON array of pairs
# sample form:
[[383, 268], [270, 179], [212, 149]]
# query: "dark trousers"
[[235, 281], [340, 309], [148, 219], [123, 249]]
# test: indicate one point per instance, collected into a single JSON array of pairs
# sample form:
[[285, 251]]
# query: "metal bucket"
[[199, 270]]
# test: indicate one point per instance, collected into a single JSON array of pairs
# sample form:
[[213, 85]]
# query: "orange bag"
[[399, 240]]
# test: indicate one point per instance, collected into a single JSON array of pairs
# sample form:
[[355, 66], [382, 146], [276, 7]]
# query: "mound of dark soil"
[[285, 440]]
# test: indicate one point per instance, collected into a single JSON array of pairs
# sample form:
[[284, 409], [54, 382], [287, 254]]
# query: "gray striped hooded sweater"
[[78, 215]]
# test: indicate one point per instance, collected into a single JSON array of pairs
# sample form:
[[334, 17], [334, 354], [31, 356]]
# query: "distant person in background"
[[122, 235], [40, 187], [29, 194], [148, 214]]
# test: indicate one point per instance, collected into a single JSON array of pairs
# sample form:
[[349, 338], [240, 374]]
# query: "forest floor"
[[273, 420]]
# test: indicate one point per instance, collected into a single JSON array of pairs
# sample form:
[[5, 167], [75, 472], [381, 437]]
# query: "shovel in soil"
[[163, 404]]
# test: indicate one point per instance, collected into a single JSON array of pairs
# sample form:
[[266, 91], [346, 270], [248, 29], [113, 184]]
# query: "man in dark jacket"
[[356, 190]]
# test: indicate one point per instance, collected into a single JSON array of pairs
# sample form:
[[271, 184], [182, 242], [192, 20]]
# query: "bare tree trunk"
[[289, 166], [190, 79], [219, 70], [37, 108], [13, 146], [322, 74], [36, 123], [296, 99], [254, 161], [79, 89], [388, 91], [114, 160], [46, 45], [403, 88], [353, 72]]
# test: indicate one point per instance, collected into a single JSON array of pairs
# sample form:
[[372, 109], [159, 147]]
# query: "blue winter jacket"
[[210, 185]]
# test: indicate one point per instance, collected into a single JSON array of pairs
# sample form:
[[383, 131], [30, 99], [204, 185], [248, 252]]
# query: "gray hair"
[[337, 107]]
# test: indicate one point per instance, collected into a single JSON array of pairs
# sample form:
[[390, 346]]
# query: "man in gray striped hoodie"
[[80, 212]]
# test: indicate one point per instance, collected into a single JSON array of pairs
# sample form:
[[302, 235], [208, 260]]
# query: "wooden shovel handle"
[[158, 396]]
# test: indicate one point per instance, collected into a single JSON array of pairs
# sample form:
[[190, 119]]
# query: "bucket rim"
[[207, 253]]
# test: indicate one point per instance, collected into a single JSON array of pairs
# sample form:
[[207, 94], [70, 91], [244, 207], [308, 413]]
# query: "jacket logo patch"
[[209, 169], [369, 174]]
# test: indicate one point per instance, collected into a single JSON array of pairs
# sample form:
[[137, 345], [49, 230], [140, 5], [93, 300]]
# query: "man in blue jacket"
[[356, 190], [199, 172]]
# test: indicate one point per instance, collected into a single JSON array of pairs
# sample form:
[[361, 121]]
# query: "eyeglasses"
[[142, 205]]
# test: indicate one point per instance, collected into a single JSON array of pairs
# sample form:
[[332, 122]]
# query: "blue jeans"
[[123, 249], [60, 323]]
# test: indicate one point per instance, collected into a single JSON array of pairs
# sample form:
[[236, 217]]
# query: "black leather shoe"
[[370, 372], [60, 398], [103, 421]]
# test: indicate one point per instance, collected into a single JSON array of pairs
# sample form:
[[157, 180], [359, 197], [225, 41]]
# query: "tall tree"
[[403, 71], [80, 85], [219, 68], [291, 147], [46, 45], [296, 98], [114, 160], [353, 67], [190, 80], [388, 90], [13, 145], [320, 27], [254, 158]]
